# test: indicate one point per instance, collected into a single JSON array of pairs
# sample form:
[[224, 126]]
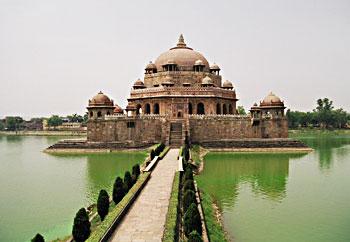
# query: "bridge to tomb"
[[145, 220]]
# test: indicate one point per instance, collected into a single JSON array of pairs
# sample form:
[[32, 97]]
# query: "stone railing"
[[139, 116], [220, 116]]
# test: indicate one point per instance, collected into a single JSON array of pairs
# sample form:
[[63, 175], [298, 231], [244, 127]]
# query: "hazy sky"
[[55, 55]]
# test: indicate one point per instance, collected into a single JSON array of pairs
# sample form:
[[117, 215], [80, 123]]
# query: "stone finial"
[[181, 42]]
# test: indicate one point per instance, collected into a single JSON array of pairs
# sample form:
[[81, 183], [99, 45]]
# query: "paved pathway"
[[146, 218]]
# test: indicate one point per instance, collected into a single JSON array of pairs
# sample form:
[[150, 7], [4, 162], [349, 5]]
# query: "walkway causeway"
[[146, 218]]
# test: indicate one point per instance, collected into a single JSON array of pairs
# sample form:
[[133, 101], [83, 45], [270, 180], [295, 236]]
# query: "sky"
[[55, 55]]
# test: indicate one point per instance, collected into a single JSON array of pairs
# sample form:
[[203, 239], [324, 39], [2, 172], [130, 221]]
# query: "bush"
[[103, 204], [188, 185], [125, 188], [189, 198], [152, 154], [136, 170], [159, 149], [188, 174], [81, 226], [192, 220], [128, 179], [38, 238], [195, 237], [118, 191]]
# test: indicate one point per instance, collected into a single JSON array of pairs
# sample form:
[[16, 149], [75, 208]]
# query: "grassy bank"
[[307, 132], [215, 230], [170, 230]]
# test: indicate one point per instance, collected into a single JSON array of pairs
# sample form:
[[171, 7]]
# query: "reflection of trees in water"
[[326, 148], [265, 173]]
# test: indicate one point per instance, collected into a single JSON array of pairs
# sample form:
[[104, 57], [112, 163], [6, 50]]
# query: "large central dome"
[[181, 55]]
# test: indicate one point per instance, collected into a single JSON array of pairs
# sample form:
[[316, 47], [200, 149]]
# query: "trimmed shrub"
[[81, 227], [118, 191], [125, 188], [38, 238], [159, 149], [103, 204], [188, 174], [128, 179], [152, 154], [133, 179], [192, 220], [195, 237], [136, 170], [189, 198], [188, 185]]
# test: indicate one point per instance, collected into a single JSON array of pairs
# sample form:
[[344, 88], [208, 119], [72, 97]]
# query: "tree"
[[241, 110], [128, 179], [189, 198], [118, 191], [81, 226], [324, 112], [75, 118], [152, 154], [103, 204], [38, 238], [2, 125], [195, 237], [192, 220], [14, 123], [54, 121]]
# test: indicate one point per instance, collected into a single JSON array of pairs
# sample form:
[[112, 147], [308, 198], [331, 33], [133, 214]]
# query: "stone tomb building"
[[182, 97]]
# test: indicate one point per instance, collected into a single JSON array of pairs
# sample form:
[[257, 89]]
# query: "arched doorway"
[[230, 110], [190, 111], [224, 110], [218, 108], [179, 114], [200, 108], [147, 108], [138, 109], [156, 108]]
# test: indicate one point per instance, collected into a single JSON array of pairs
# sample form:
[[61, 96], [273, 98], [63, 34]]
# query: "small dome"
[[271, 100], [151, 66], [138, 84], [199, 63], [207, 81], [227, 84], [100, 100], [255, 105], [118, 110], [214, 67]]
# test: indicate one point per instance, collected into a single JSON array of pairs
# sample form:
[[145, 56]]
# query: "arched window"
[[91, 114], [218, 108], [230, 110], [179, 114], [200, 108], [99, 114], [224, 110], [190, 111], [147, 108], [156, 108], [108, 113], [138, 109]]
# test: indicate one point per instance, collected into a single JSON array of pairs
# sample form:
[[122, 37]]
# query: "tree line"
[[323, 116]]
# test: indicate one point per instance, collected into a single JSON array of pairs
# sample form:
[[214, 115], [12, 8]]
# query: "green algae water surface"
[[40, 193], [283, 197]]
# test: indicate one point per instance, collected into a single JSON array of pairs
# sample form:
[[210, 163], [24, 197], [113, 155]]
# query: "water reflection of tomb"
[[267, 175]]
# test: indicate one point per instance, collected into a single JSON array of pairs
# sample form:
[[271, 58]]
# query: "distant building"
[[182, 97]]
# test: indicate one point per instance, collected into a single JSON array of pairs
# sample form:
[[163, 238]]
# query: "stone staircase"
[[175, 139]]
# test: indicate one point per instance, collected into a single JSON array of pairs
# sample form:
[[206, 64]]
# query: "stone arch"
[[218, 108], [200, 108], [91, 114], [147, 108], [190, 109], [138, 109], [230, 109], [108, 113], [224, 109], [156, 108], [99, 114]]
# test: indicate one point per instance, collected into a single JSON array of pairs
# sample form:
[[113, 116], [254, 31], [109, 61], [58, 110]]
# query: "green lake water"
[[41, 193], [283, 197]]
